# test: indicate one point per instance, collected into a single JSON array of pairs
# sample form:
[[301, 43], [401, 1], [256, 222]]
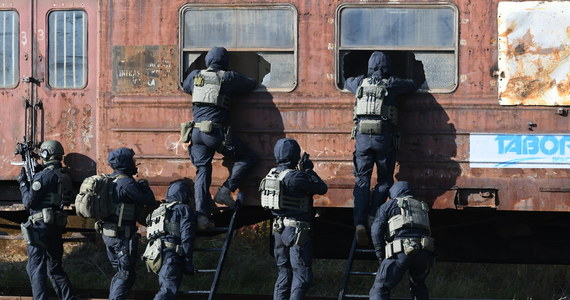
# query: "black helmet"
[[51, 150]]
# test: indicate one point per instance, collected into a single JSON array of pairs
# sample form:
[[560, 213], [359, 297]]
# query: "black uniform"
[[122, 245], [45, 254], [293, 253], [176, 263], [393, 268], [379, 149], [204, 145]]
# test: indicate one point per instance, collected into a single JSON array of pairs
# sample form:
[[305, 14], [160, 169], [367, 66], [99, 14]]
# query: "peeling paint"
[[534, 51]]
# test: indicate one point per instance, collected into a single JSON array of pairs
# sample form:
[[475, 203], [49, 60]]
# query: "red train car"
[[485, 141]]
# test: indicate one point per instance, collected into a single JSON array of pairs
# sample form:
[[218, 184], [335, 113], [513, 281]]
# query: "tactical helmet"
[[51, 149]]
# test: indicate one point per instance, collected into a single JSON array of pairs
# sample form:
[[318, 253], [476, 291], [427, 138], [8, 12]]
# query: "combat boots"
[[224, 196], [361, 235]]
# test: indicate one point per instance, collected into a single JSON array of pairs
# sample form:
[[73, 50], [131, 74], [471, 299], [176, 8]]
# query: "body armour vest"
[[414, 214], [273, 196], [370, 100], [63, 196], [158, 224], [207, 86]]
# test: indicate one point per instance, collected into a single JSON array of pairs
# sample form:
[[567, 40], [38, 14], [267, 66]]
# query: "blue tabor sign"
[[519, 151]]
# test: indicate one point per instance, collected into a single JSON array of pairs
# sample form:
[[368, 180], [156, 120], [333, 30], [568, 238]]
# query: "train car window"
[[9, 48], [419, 38], [67, 58], [261, 40]]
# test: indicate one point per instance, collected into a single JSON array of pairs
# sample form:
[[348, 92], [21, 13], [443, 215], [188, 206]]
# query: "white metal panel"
[[534, 51]]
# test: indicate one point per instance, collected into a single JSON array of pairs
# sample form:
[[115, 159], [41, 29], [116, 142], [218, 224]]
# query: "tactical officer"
[[50, 190], [402, 242], [119, 231], [288, 192], [171, 228], [211, 89], [375, 116]]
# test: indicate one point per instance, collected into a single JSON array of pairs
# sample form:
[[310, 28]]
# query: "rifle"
[[303, 161], [26, 150]]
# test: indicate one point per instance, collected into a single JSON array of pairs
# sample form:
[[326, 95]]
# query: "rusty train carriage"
[[485, 142]]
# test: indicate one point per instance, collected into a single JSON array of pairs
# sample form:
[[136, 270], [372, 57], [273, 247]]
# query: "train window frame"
[[243, 58], [403, 54], [85, 58], [15, 54]]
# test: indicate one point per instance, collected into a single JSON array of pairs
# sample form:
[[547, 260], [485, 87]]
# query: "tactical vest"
[[414, 214], [207, 86], [158, 224], [64, 193], [273, 196], [370, 101]]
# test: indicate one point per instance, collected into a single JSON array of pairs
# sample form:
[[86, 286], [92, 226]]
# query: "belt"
[[205, 125], [174, 247], [113, 230], [37, 217], [397, 246], [295, 223]]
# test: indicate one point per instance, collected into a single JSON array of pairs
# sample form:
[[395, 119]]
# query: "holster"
[[278, 225], [303, 235], [186, 131], [227, 141], [31, 237]]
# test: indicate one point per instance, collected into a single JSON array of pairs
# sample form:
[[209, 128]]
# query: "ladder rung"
[[195, 292], [208, 249], [356, 296], [364, 250], [363, 273]]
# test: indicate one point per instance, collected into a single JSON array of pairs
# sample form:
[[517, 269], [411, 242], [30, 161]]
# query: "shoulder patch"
[[36, 186]]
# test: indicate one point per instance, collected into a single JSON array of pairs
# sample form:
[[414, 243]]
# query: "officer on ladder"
[[288, 192], [375, 116], [402, 242], [119, 231], [170, 228], [49, 190], [210, 91]]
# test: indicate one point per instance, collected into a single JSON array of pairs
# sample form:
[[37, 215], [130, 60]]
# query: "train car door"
[[48, 58]]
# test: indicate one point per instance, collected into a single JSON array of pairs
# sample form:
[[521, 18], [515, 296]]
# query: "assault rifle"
[[303, 161], [26, 150]]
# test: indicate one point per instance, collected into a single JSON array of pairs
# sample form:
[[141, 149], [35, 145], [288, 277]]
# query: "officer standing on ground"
[[375, 116], [408, 245], [171, 226], [288, 192], [211, 89], [50, 190], [119, 231]]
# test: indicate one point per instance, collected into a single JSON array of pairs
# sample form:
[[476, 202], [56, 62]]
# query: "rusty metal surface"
[[123, 107], [534, 49]]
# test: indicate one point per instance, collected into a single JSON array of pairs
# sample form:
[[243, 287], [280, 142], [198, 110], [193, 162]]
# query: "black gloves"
[[307, 165], [22, 178]]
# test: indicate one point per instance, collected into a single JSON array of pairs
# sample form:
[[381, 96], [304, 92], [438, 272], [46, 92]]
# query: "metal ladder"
[[355, 253], [223, 250]]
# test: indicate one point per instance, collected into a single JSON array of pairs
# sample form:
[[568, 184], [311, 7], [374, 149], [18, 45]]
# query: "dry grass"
[[250, 269]]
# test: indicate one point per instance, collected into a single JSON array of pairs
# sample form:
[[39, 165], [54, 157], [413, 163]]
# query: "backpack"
[[95, 198]]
